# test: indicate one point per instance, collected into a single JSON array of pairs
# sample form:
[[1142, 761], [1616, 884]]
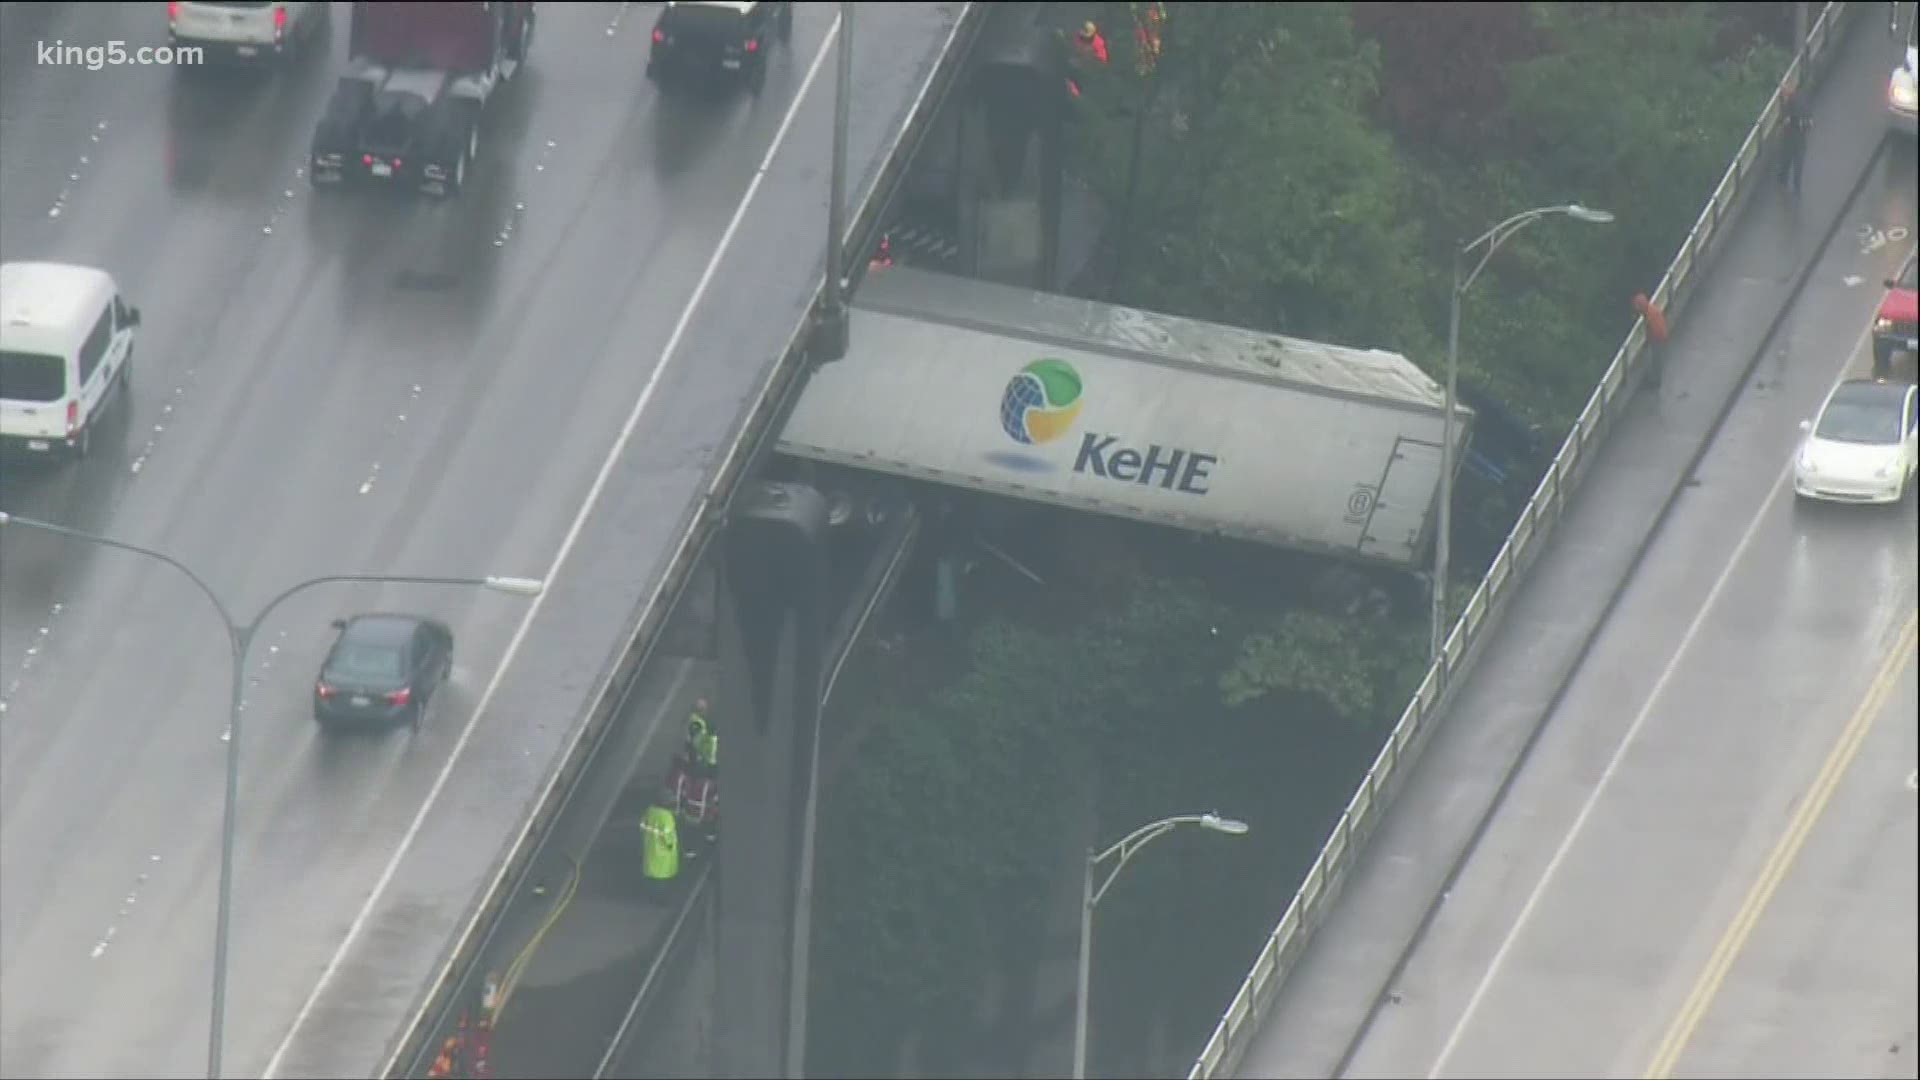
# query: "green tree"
[[1359, 672], [1264, 197]]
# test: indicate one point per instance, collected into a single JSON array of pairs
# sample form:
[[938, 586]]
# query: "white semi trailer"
[[1117, 411]]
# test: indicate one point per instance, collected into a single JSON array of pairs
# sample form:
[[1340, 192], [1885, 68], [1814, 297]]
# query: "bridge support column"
[[767, 713]]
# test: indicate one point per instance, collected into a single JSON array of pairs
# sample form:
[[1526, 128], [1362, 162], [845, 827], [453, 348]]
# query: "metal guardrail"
[[1228, 1043], [702, 524]]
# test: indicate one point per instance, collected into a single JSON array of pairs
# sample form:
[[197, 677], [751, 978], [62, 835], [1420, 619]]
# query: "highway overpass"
[[1667, 825], [548, 376]]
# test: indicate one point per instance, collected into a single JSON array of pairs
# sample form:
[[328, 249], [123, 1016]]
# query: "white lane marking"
[[512, 222], [667, 355], [153, 438], [1626, 743], [254, 681], [389, 433], [614, 26], [285, 201], [1872, 239], [75, 174], [32, 654], [126, 911]]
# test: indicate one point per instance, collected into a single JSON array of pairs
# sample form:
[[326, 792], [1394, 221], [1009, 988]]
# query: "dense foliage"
[[965, 803], [1307, 168]]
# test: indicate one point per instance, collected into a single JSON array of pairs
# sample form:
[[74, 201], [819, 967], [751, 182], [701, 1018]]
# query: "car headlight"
[[1882, 324], [1900, 90], [1805, 464]]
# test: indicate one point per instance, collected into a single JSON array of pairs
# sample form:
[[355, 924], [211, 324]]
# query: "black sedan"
[[382, 669]]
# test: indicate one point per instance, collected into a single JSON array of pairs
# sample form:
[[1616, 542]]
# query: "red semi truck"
[[408, 109]]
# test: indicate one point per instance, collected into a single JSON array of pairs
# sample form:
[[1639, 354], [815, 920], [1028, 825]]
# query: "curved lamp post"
[[1090, 895], [239, 640], [1463, 280]]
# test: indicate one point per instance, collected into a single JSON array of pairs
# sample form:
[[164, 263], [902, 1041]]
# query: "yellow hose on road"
[[519, 965]]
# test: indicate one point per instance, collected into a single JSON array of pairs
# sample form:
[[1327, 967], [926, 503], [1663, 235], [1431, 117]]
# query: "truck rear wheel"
[[459, 154]]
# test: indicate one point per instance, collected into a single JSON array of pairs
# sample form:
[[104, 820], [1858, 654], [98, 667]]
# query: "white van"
[[66, 342], [247, 30]]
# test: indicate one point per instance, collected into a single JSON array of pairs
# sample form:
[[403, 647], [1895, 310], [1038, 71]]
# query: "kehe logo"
[[1040, 403], [1043, 400]]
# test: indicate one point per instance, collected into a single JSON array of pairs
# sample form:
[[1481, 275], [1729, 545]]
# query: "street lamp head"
[[518, 586], [1589, 214], [1230, 826]]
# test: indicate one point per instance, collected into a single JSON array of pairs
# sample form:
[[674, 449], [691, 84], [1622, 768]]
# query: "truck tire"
[[459, 144]]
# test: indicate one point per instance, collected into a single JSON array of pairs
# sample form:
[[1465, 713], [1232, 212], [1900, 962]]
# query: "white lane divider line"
[[506, 230], [77, 173], [283, 203], [613, 25], [1648, 707], [32, 656], [125, 912], [389, 433], [668, 355], [153, 437], [254, 680]]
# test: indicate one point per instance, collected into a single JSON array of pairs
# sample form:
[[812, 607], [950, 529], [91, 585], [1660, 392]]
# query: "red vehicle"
[[1896, 328], [408, 109]]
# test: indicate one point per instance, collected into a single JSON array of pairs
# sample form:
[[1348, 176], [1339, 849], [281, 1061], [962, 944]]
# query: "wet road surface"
[[340, 382]]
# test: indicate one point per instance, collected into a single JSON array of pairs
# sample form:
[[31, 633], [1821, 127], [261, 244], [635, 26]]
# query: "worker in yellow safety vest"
[[660, 859], [703, 743]]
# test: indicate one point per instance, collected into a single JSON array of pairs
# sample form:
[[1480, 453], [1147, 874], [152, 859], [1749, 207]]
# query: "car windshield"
[[32, 377], [1871, 422], [361, 662]]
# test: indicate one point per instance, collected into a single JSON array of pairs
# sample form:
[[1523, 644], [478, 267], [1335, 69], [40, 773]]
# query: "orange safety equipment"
[[447, 1062], [1655, 318], [1090, 43]]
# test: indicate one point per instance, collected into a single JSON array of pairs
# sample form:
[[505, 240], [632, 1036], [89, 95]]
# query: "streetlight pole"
[[1463, 280], [830, 333], [239, 642], [1090, 895]]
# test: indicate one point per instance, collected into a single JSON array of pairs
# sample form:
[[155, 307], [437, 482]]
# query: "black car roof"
[[381, 628]]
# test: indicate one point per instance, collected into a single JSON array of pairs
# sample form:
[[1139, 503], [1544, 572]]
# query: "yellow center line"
[[1781, 859]]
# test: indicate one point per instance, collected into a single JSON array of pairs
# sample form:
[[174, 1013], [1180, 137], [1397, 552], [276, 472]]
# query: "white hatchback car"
[[1861, 448], [246, 30]]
